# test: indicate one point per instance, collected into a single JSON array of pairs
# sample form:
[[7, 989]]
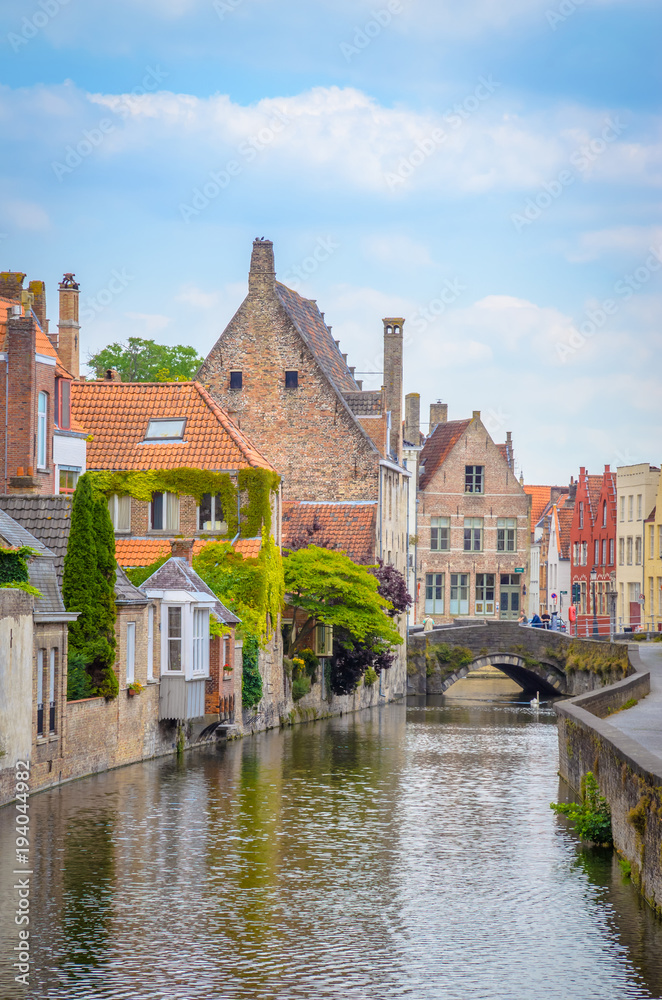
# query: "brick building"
[[282, 377], [43, 447], [473, 524], [593, 551]]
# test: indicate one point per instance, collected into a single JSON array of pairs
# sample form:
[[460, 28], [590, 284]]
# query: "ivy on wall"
[[255, 485], [14, 564]]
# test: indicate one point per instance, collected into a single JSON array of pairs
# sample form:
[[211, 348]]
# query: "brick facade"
[[443, 496], [594, 524]]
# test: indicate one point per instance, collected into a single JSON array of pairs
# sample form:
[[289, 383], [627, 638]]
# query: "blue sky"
[[489, 169]]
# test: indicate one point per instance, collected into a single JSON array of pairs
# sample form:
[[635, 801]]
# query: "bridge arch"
[[546, 678]]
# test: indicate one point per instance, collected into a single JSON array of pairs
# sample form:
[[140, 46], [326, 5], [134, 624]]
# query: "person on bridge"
[[545, 618], [522, 620], [536, 621]]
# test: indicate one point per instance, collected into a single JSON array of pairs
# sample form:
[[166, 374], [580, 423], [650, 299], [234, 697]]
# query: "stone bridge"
[[552, 663]]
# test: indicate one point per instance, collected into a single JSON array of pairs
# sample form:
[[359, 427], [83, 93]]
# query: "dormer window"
[[165, 430], [291, 380]]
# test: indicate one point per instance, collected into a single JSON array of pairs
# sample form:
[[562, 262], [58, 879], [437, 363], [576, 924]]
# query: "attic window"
[[165, 430], [291, 380], [236, 380]]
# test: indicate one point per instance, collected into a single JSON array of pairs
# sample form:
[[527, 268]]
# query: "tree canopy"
[[88, 586], [146, 361], [331, 589]]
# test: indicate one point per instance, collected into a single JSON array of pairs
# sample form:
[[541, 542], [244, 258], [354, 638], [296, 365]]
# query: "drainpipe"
[[238, 515], [381, 473], [6, 418]]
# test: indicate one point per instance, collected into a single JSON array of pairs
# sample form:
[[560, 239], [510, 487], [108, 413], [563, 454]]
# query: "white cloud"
[[630, 240], [151, 323], [192, 296], [24, 215]]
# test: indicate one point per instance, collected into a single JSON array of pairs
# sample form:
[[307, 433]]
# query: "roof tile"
[[438, 446], [310, 323], [348, 527]]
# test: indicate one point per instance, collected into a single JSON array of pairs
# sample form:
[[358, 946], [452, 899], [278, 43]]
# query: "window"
[[236, 380], [164, 512], [323, 640], [67, 478], [42, 416], [174, 638], [639, 506], [51, 690], [165, 430], [584, 553], [604, 513], [434, 593], [484, 593], [150, 643], [582, 597], [440, 534], [291, 380], [622, 514], [575, 553], [604, 551], [651, 595], [651, 541], [473, 534], [659, 595], [581, 513], [637, 550], [210, 513], [629, 551], [611, 551], [596, 551], [506, 534], [62, 403], [120, 512], [630, 507], [130, 652], [621, 552], [459, 594], [200, 633], [659, 541], [473, 478], [40, 692]]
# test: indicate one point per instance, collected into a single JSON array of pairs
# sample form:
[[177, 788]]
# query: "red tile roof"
[[131, 552], [347, 527], [117, 415], [540, 497], [249, 548], [594, 488], [310, 323], [565, 515], [439, 445], [42, 345]]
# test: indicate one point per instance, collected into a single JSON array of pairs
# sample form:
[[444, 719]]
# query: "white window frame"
[[167, 608], [200, 661], [483, 606], [130, 652], [220, 526], [461, 603], [170, 513], [119, 508], [42, 427], [323, 640], [51, 686], [437, 526], [150, 642], [507, 528], [435, 605], [40, 690]]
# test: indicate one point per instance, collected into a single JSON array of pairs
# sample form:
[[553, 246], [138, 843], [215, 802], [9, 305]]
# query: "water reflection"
[[398, 853]]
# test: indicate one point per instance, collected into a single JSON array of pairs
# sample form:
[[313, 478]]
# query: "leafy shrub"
[[300, 687], [369, 677], [79, 682], [591, 816], [251, 683]]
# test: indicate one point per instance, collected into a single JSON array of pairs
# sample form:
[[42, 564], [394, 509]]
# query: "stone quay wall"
[[629, 777]]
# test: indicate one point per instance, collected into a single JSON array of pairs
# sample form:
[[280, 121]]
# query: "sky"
[[488, 169]]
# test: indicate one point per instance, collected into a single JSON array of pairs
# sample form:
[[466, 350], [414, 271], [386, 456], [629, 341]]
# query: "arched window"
[[604, 513], [42, 417]]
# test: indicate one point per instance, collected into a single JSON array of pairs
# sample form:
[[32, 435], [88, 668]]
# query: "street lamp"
[[594, 576]]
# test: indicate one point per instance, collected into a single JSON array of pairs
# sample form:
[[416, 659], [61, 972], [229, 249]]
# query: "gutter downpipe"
[[6, 418]]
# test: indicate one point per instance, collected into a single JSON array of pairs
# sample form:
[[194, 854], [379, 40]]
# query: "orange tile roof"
[[117, 414], [439, 445], [42, 345], [540, 497], [130, 552], [348, 527], [594, 488], [565, 515]]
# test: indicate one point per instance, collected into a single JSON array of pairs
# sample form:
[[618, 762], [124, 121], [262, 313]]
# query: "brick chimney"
[[262, 275], [21, 405], [438, 414], [38, 291], [393, 381], [68, 325], [182, 548], [111, 375], [413, 418], [11, 284]]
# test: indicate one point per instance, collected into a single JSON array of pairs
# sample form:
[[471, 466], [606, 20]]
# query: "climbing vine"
[[256, 484], [14, 565]]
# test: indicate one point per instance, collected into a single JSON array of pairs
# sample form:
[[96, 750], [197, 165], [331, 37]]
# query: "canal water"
[[398, 853]]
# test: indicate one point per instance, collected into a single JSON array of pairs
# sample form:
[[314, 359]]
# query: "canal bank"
[[617, 734]]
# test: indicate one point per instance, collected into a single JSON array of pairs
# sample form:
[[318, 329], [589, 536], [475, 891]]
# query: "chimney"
[[262, 275], [38, 291], [438, 414], [21, 424], [359, 382], [68, 325], [476, 415], [111, 375], [182, 548], [413, 418], [393, 381], [11, 284]]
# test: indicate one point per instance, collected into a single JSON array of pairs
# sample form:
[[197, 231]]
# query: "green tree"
[[327, 587], [146, 361], [88, 587]]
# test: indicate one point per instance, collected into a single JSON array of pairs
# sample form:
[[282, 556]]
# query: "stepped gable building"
[[42, 444], [280, 374], [473, 524], [593, 551], [138, 426]]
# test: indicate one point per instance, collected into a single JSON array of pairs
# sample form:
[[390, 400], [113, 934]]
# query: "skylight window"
[[165, 430]]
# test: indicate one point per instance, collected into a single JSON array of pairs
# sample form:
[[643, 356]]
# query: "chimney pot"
[[438, 414], [68, 325], [11, 284], [182, 548]]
